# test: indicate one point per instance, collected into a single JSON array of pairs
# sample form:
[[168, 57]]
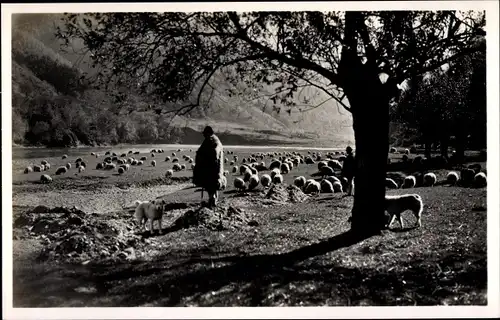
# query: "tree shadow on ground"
[[284, 278]]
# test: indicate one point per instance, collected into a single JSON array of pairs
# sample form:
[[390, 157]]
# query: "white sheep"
[[68, 165], [333, 179], [393, 150], [335, 164], [326, 186], [64, 156], [337, 186], [37, 168], [480, 179], [177, 167], [253, 182], [277, 179], [407, 151], [45, 178], [99, 166], [409, 182], [110, 166], [452, 177], [144, 158], [61, 170], [285, 168], [169, 173], [28, 169], [275, 164], [153, 163], [167, 159], [140, 163], [327, 171], [265, 180], [300, 181], [239, 184], [235, 169], [81, 169], [313, 187], [391, 184], [321, 164], [275, 172], [430, 179], [246, 176], [121, 170]]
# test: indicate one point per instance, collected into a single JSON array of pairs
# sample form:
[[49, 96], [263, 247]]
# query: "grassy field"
[[292, 254]]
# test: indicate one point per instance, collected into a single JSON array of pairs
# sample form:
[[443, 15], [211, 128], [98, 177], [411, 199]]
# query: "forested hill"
[[53, 107]]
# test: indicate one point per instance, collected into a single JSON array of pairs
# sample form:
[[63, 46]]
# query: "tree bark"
[[369, 102]]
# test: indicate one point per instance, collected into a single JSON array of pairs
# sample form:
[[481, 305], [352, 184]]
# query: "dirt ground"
[[75, 244]]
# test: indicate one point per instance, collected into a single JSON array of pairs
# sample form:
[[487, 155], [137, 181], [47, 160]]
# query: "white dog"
[[397, 204], [149, 210]]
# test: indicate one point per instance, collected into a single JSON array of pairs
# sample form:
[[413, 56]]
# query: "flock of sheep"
[[280, 164]]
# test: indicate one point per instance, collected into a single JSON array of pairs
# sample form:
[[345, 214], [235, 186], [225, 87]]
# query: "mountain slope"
[[36, 52]]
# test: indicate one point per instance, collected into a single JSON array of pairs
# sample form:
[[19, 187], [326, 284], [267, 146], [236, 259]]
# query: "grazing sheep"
[[391, 184], [265, 180], [285, 168], [277, 179], [114, 154], [121, 170], [64, 156], [110, 166], [81, 169], [333, 179], [407, 151], [136, 152], [177, 167], [167, 158], [169, 173], [337, 187], [299, 182], [152, 155], [173, 154], [312, 187], [125, 167], [44, 162], [140, 163], [326, 186], [480, 180], [309, 160], [121, 161], [174, 160], [107, 153], [275, 172], [99, 166], [107, 159], [68, 165], [114, 158], [393, 150], [45, 178], [130, 152], [37, 168], [123, 155], [322, 164], [452, 177], [246, 176], [335, 164], [239, 184], [467, 176], [28, 169], [253, 182], [144, 158], [409, 182], [78, 160], [153, 163], [430, 179], [183, 166], [83, 164], [61, 170], [134, 162], [275, 164], [235, 169], [327, 171], [42, 167]]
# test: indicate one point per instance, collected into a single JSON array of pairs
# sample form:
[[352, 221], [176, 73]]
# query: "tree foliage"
[[174, 55]]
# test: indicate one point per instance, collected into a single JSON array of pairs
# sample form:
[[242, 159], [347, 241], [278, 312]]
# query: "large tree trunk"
[[369, 102]]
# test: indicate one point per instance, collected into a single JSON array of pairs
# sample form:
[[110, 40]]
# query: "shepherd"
[[348, 169], [208, 172]]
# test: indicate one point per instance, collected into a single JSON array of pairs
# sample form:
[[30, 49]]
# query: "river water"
[[42, 152]]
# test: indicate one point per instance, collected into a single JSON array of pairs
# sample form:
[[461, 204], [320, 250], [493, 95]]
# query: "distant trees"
[[448, 102], [356, 58]]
